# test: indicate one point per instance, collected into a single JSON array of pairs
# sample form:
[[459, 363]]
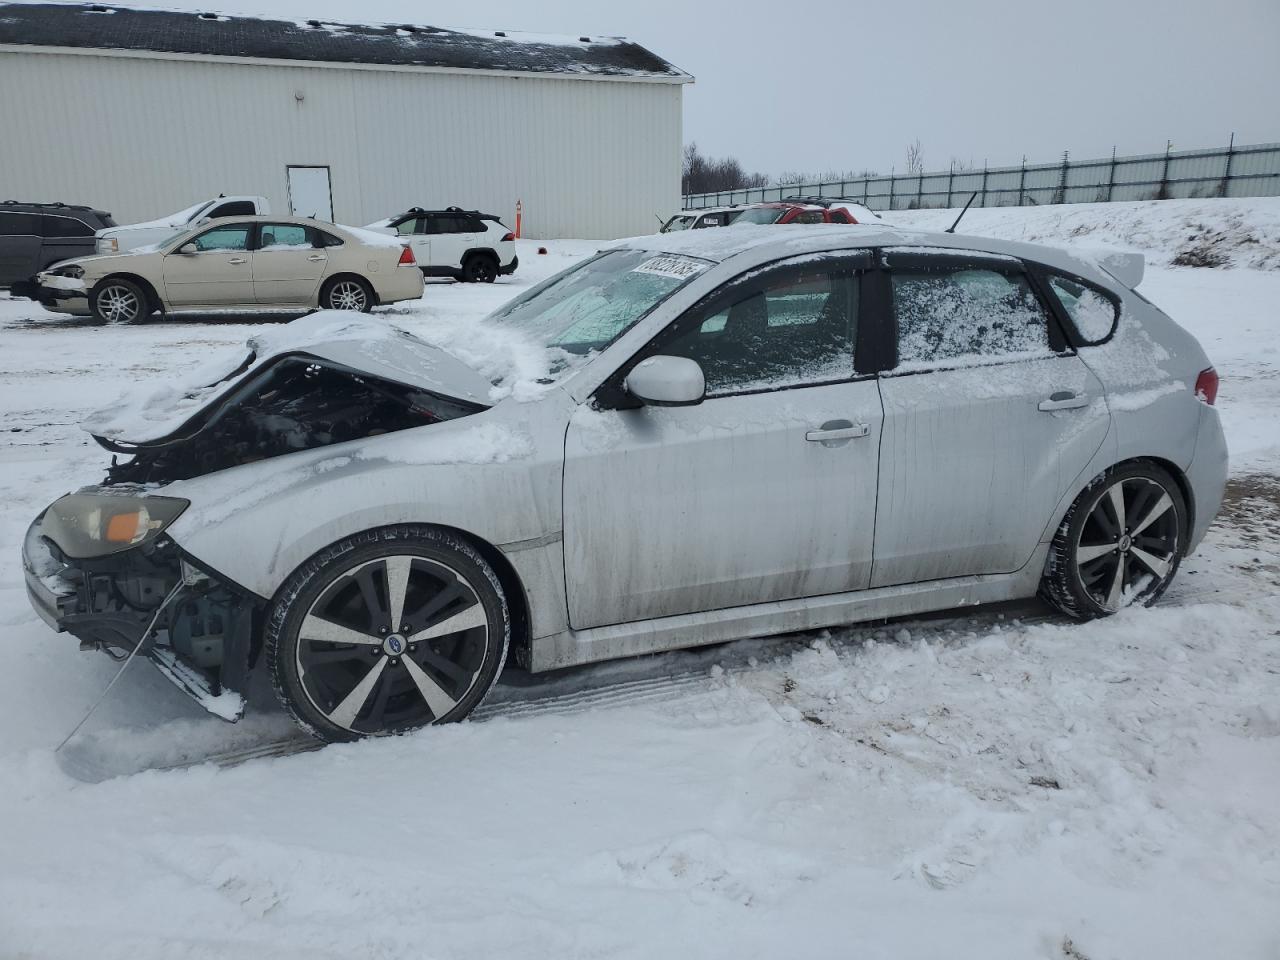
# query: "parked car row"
[[789, 210], [230, 253]]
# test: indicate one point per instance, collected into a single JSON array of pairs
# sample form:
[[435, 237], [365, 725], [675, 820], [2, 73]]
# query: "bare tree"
[[915, 159], [703, 174], [961, 166]]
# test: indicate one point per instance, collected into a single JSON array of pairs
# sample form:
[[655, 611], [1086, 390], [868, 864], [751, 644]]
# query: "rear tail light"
[[508, 237], [1207, 386], [406, 258]]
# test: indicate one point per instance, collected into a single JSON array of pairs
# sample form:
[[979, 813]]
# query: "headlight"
[[108, 245], [85, 525], [73, 271]]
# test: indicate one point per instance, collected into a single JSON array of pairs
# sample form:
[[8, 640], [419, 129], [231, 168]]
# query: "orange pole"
[[519, 211]]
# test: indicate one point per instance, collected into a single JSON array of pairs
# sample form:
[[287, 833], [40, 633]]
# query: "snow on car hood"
[[368, 344]]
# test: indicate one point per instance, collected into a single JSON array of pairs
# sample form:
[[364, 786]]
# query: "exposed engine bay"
[[292, 402]]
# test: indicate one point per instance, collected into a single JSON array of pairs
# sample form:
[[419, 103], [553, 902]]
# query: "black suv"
[[35, 235]]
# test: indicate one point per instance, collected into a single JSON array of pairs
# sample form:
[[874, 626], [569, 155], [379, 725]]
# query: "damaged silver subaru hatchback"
[[682, 440]]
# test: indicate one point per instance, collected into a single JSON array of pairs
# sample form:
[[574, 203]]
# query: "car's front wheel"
[[387, 631], [346, 293], [1119, 544], [116, 300]]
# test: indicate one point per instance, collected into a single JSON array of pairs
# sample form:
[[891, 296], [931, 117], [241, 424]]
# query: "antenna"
[[952, 228]]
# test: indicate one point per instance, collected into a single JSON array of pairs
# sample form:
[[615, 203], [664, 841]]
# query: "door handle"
[[237, 260], [836, 430], [315, 257], [1063, 400]]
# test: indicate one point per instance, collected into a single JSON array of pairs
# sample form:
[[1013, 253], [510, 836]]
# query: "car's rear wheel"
[[480, 268], [116, 300], [347, 293], [387, 631], [1120, 543]]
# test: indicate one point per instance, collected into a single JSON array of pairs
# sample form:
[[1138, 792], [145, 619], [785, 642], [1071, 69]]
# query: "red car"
[[805, 210]]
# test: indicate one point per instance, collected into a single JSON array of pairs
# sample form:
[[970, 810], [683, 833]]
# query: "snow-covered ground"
[[1001, 784]]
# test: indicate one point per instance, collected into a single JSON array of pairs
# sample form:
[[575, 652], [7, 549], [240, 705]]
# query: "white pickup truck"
[[134, 235]]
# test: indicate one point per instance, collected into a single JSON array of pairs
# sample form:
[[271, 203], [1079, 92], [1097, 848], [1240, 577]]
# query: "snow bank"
[[1221, 232]]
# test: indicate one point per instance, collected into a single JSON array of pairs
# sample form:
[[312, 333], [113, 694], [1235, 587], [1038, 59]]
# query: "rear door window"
[[19, 224], [276, 236], [232, 208], [960, 314]]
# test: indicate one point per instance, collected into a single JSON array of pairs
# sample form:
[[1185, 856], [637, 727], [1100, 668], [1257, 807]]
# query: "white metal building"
[[144, 112]]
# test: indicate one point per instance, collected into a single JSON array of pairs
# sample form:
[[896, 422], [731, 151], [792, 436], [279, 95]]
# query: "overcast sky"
[[812, 85]]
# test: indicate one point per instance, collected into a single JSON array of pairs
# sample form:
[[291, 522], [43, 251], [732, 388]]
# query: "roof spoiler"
[[1125, 265]]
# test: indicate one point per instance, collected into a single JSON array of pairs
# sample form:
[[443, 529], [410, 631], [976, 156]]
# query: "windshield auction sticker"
[[678, 268]]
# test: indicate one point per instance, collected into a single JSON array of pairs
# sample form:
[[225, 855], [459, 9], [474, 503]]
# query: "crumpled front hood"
[[153, 412]]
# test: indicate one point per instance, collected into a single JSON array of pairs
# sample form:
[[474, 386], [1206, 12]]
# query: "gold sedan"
[[240, 263]]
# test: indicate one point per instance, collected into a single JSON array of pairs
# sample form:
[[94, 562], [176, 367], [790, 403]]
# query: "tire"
[[116, 300], [1098, 566], [480, 268], [347, 293], [346, 666]]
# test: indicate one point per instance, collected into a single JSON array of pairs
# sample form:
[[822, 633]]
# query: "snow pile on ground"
[[988, 785], [1210, 233]]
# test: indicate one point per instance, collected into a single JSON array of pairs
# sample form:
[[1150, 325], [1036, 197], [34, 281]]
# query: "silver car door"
[[763, 491], [219, 273], [989, 417]]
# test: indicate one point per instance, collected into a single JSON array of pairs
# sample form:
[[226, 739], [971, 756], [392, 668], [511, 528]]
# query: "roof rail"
[[58, 204], [822, 201]]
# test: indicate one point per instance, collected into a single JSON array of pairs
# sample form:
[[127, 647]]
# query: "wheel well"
[[482, 252], [147, 288], [1179, 478], [517, 600], [330, 281]]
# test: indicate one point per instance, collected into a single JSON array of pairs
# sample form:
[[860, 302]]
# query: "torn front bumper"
[[199, 631], [52, 596]]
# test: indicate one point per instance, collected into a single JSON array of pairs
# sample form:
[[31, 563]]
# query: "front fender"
[[494, 478]]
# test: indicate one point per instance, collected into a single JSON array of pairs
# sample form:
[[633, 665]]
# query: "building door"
[[310, 194]]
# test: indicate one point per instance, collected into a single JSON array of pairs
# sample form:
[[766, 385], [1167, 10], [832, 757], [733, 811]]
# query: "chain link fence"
[[1231, 171]]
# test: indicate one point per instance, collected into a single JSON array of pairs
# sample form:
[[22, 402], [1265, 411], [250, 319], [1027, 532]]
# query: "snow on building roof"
[[110, 27]]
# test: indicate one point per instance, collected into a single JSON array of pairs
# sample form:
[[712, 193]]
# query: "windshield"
[[589, 306], [189, 214], [169, 239], [760, 215], [676, 223]]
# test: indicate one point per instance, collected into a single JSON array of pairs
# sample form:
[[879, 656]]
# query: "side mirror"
[[188, 249], [667, 382]]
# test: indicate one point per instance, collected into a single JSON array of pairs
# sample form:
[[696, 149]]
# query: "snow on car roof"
[[382, 44], [772, 241]]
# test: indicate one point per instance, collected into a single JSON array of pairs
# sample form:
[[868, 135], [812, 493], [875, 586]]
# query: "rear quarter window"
[[1093, 312], [57, 226]]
